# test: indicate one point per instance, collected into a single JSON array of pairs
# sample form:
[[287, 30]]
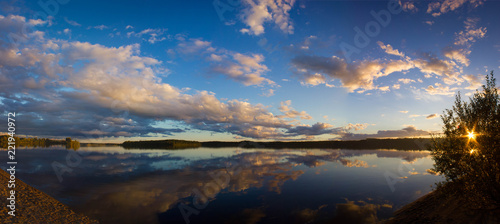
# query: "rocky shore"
[[34, 206]]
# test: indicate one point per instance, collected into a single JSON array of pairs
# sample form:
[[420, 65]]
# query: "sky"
[[231, 70]]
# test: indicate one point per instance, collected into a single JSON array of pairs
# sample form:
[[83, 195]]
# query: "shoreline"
[[34, 205], [437, 207]]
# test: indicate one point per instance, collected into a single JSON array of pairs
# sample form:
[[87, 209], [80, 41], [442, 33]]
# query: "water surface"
[[229, 185]]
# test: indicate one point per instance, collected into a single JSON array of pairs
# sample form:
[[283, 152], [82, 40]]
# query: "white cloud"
[[406, 81], [151, 35], [67, 31], [403, 111], [258, 12]]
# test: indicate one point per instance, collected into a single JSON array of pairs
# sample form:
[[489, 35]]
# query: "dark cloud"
[[410, 131]]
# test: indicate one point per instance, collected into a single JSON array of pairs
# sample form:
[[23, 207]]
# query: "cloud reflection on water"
[[138, 186]]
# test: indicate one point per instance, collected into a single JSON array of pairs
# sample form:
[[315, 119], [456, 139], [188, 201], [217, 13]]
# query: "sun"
[[471, 135]]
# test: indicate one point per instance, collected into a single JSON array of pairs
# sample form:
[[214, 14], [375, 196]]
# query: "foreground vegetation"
[[468, 154]]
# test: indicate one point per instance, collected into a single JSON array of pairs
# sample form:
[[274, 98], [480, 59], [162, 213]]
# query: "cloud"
[[408, 6], [129, 27], [67, 31], [439, 89], [247, 69], [409, 131], [258, 12], [289, 112], [151, 35], [432, 116], [438, 8], [116, 91], [100, 27], [316, 129], [406, 81], [474, 81], [430, 64], [313, 70], [70, 22], [459, 55], [471, 33], [403, 111], [349, 212], [389, 50], [429, 22]]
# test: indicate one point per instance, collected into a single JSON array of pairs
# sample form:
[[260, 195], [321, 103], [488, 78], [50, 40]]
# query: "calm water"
[[229, 185]]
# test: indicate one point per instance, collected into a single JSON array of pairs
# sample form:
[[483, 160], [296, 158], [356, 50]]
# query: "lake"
[[229, 185]]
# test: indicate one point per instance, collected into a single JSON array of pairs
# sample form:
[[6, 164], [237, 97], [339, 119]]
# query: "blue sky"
[[249, 69]]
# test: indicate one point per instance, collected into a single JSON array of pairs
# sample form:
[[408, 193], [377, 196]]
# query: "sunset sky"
[[233, 70]]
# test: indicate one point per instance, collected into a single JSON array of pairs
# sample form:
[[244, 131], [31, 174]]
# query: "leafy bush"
[[468, 152]]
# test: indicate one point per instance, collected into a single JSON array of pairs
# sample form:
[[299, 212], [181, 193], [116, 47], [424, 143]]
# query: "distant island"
[[400, 144], [38, 142]]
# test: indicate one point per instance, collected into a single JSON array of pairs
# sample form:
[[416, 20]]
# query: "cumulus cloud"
[[247, 69], [438, 8], [312, 70], [410, 131], [258, 12], [115, 91]]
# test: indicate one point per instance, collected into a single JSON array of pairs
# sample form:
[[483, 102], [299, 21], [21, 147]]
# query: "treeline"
[[401, 144], [161, 144], [38, 142]]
